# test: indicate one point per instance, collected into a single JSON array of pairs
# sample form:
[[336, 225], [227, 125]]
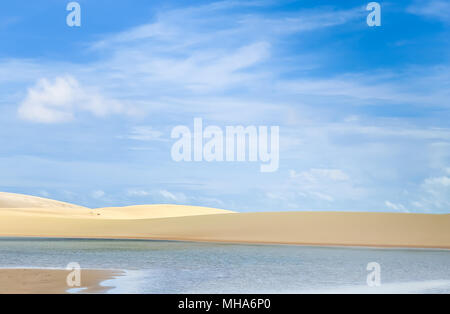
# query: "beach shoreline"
[[53, 281], [184, 240]]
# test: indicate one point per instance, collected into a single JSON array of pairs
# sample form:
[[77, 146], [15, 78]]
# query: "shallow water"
[[180, 267]]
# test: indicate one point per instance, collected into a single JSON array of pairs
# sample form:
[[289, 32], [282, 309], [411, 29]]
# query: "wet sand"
[[52, 281]]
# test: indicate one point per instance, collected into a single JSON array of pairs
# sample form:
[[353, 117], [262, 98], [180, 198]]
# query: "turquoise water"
[[180, 267]]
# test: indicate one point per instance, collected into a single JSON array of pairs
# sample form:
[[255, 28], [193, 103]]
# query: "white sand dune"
[[25, 205], [156, 211], [308, 228], [190, 223], [11, 200]]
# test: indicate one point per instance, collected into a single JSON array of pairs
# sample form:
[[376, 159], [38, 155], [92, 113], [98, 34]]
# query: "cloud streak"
[[434, 9], [57, 101]]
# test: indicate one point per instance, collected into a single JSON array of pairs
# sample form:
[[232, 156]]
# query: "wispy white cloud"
[[316, 174], [421, 86], [191, 26], [325, 184], [436, 9], [98, 194], [138, 193], [145, 133], [322, 187], [166, 196], [186, 56], [391, 131], [396, 207], [198, 50], [439, 181], [57, 101], [173, 197], [433, 194], [44, 193], [161, 194]]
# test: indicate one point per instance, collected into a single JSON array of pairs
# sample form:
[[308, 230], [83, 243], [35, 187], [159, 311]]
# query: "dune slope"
[[309, 228], [11, 200], [156, 211], [32, 206]]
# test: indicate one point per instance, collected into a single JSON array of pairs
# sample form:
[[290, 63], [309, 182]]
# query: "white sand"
[[175, 222]]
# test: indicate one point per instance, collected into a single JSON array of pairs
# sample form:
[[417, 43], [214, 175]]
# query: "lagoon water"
[[184, 267]]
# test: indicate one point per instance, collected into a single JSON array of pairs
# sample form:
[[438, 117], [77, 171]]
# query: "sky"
[[86, 113]]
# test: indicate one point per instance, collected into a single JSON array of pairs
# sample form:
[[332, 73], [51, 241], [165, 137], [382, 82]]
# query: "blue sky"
[[86, 113]]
